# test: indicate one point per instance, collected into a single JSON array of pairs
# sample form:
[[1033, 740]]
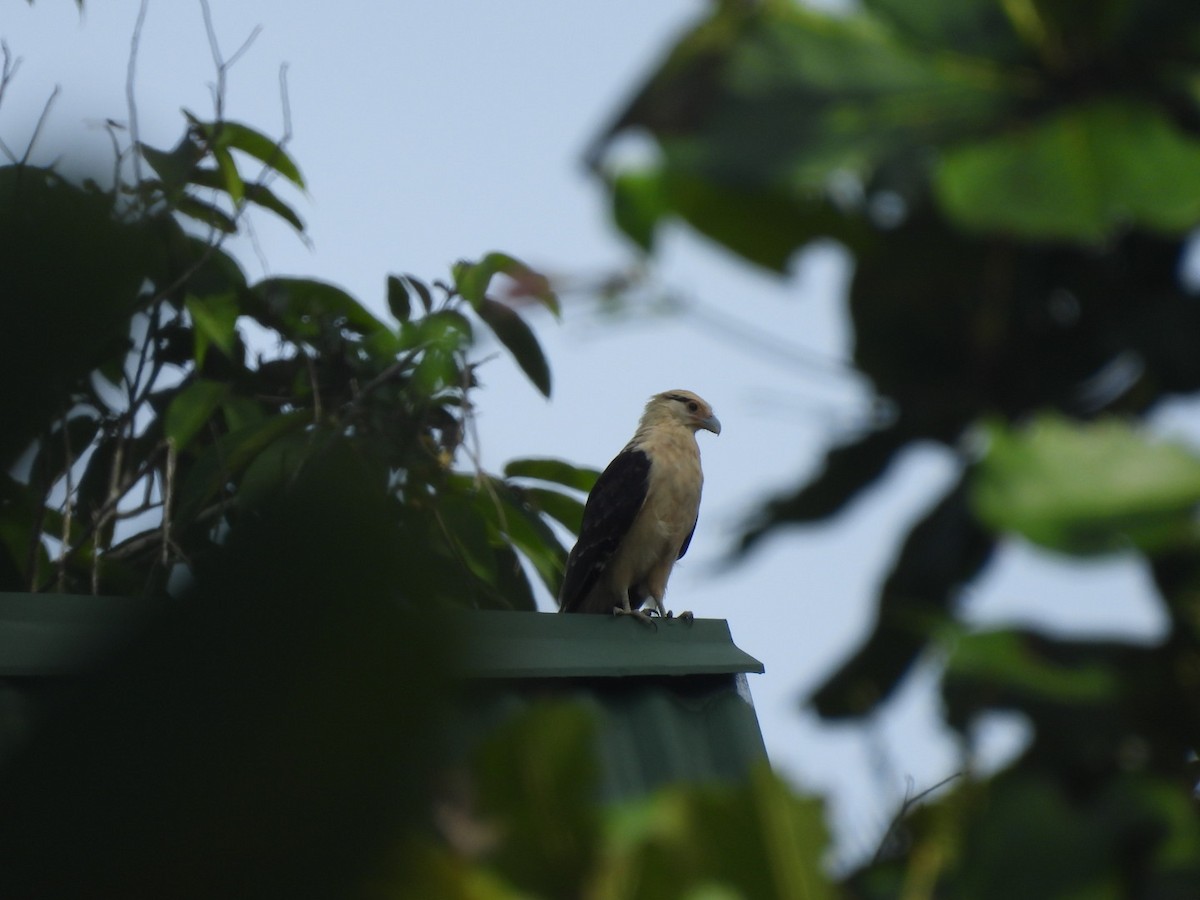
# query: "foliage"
[[1017, 184], [148, 423], [535, 831]]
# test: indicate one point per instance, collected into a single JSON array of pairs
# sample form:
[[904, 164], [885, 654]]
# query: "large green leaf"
[[304, 307], [191, 410], [513, 332], [1088, 487], [1079, 174], [215, 322], [557, 471]]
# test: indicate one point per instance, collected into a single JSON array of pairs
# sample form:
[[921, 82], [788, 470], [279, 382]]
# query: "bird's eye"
[[693, 406]]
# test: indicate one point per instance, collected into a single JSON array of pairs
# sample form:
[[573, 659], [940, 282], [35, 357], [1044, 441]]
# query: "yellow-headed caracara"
[[641, 514]]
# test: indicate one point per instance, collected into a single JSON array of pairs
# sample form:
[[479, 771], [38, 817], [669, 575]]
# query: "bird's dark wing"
[[687, 541], [611, 507]]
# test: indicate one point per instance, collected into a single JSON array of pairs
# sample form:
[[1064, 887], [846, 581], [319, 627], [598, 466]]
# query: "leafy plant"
[[1016, 182]]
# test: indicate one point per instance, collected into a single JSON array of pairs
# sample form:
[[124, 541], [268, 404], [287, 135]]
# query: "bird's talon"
[[637, 614]]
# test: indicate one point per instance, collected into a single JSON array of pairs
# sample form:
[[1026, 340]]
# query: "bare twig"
[[130, 98], [8, 67], [41, 121], [168, 496], [910, 800], [8, 70], [68, 509]]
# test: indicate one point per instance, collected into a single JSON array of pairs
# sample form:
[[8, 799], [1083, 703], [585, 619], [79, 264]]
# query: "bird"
[[640, 515]]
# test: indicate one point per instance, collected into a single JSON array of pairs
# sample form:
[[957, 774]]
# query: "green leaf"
[[467, 533], [557, 471], [536, 774], [191, 409], [397, 298], [175, 167], [753, 839], [300, 306], [258, 194], [261, 195], [215, 320], [206, 213], [231, 179], [223, 462], [1087, 487], [241, 412], [520, 340], [557, 505], [236, 136], [472, 280], [1005, 659], [765, 225], [639, 204], [1079, 174]]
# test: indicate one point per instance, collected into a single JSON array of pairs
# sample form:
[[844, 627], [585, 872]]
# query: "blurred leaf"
[[747, 840], [848, 469], [557, 471], [536, 776], [1005, 659], [191, 409], [467, 533], [472, 280], [557, 505], [518, 337], [241, 412], [1079, 174], [215, 320], [763, 225], [942, 553], [1087, 487]]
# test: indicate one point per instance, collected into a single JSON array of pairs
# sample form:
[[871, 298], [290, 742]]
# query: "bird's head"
[[683, 408]]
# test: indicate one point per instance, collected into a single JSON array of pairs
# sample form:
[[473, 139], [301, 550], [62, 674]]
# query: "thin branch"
[[130, 99], [37, 128], [68, 509], [8, 67], [168, 496], [910, 800], [240, 51], [8, 70]]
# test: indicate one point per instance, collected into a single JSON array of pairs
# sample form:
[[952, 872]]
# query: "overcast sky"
[[433, 131]]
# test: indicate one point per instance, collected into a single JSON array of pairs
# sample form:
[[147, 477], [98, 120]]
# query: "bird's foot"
[[686, 616], [636, 613]]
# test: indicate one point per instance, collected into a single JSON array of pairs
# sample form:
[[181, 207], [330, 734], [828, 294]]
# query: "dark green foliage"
[[125, 329], [1018, 184]]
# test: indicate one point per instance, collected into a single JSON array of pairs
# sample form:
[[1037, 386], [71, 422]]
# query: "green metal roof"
[[56, 634], [671, 701], [545, 645]]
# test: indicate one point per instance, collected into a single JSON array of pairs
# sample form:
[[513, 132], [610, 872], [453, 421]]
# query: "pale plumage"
[[641, 514]]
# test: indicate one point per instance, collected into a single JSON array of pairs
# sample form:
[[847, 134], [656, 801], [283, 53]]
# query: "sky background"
[[429, 132]]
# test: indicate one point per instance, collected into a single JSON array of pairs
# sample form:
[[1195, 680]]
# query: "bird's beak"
[[712, 423]]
